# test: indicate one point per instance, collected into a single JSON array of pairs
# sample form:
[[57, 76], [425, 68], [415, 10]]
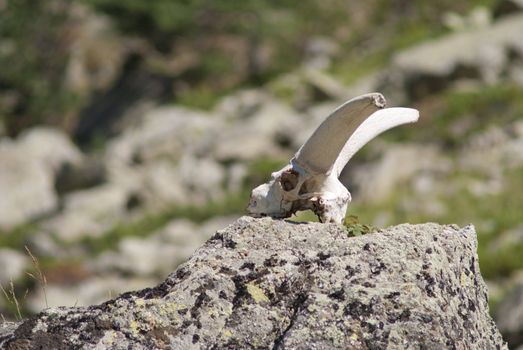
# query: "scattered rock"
[[319, 52], [262, 283], [201, 177], [272, 124], [502, 146], [478, 54], [505, 240], [164, 132], [78, 176], [509, 316], [26, 185], [27, 176], [398, 164], [49, 146], [14, 264], [89, 212], [160, 252]]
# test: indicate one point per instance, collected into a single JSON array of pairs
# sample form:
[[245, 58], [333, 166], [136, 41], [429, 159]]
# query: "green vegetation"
[[18, 237], [355, 227], [33, 58], [493, 215], [235, 44], [452, 116]]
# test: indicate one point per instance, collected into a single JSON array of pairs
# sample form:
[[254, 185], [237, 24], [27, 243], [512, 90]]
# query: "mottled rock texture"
[[262, 283]]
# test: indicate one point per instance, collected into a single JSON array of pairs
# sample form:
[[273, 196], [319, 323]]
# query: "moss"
[[355, 227]]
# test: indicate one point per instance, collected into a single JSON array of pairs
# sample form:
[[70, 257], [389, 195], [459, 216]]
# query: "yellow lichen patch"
[[139, 302], [256, 293], [108, 338], [134, 326], [227, 333], [463, 279]]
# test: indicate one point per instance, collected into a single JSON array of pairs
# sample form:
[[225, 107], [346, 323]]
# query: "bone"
[[321, 150], [310, 180], [379, 122]]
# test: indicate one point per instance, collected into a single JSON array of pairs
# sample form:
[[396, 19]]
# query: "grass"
[[17, 237], [13, 303]]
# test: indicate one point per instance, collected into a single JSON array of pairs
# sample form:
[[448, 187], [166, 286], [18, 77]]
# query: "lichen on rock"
[[264, 283]]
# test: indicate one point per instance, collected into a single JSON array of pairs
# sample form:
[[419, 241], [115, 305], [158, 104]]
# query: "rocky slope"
[[262, 283]]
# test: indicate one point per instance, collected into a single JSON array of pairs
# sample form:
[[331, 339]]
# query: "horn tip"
[[379, 100]]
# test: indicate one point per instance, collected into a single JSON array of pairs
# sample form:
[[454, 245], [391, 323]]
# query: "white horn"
[[374, 125], [311, 181], [319, 153]]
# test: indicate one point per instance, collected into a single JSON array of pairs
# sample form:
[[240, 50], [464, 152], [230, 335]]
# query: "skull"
[[310, 180]]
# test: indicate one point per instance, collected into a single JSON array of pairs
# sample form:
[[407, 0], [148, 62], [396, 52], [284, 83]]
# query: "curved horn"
[[319, 153], [374, 125]]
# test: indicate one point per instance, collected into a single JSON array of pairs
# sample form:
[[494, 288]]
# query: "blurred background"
[[131, 130]]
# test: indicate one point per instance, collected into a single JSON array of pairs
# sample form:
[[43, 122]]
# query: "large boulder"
[[27, 174], [263, 283], [13, 265], [482, 54]]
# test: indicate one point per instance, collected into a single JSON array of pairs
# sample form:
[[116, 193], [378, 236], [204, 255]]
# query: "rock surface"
[[479, 54], [261, 283], [509, 316]]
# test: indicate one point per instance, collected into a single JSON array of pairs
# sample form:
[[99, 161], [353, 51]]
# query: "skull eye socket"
[[289, 180]]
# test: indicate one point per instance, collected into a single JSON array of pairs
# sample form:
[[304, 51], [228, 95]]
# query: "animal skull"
[[310, 180]]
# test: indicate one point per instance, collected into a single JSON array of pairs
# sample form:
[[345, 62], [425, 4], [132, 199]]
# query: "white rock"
[[164, 132], [26, 186], [494, 149], [89, 212], [203, 178], [319, 52], [257, 134], [484, 49], [242, 104], [14, 264], [399, 164], [162, 251], [160, 183], [27, 173], [49, 146]]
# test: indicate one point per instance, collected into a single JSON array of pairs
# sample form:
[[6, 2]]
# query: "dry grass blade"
[[10, 296], [15, 299], [40, 275]]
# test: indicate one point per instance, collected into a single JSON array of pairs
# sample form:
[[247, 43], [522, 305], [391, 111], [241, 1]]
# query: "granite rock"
[[264, 283]]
